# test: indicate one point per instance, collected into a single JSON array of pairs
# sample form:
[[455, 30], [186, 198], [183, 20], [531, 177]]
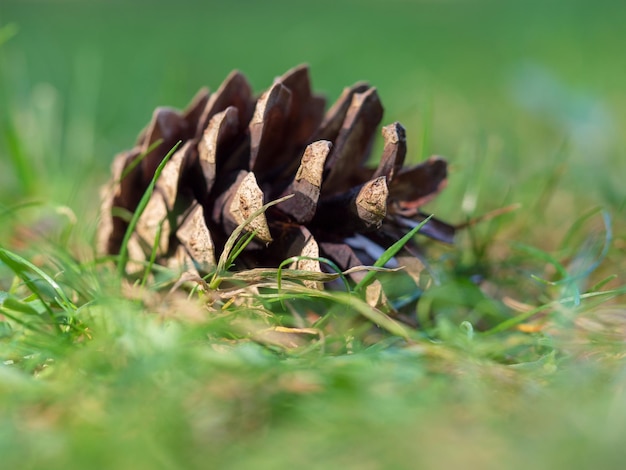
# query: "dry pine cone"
[[238, 153]]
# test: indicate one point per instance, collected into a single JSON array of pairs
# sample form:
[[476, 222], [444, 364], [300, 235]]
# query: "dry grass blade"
[[261, 274], [374, 315]]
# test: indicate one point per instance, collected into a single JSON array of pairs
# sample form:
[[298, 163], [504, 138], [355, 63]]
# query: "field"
[[518, 357]]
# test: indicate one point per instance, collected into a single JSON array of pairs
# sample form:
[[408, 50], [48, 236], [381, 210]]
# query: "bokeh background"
[[526, 99]]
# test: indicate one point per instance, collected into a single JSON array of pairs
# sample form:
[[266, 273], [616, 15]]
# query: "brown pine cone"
[[238, 152]]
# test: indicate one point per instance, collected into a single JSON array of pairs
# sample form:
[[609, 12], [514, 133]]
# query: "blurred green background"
[[530, 93]]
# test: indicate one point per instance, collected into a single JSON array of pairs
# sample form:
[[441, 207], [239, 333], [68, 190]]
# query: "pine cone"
[[238, 153]]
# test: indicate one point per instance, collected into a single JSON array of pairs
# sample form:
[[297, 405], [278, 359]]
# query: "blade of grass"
[[18, 158], [608, 238], [12, 210], [571, 280], [388, 254], [256, 275], [26, 324], [577, 225], [138, 160], [326, 261], [153, 253], [21, 267], [603, 283], [512, 322], [241, 244], [123, 256], [233, 239], [11, 305], [553, 178], [542, 256], [295, 259], [19, 306], [350, 300]]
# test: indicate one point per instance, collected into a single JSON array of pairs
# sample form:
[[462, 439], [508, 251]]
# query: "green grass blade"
[[138, 160], [577, 225], [19, 160], [374, 315], [26, 324], [11, 211], [241, 245], [19, 306], [599, 285], [512, 322], [542, 256], [21, 267], [123, 256], [608, 239], [388, 254], [230, 244], [326, 261], [11, 307], [153, 254]]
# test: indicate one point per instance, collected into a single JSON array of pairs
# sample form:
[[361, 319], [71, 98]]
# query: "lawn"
[[517, 359]]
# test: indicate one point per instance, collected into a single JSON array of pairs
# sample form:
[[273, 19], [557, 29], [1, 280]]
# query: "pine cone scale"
[[235, 91], [354, 140]]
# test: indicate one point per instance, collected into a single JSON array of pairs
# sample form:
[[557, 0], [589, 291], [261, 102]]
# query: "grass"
[[519, 358]]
